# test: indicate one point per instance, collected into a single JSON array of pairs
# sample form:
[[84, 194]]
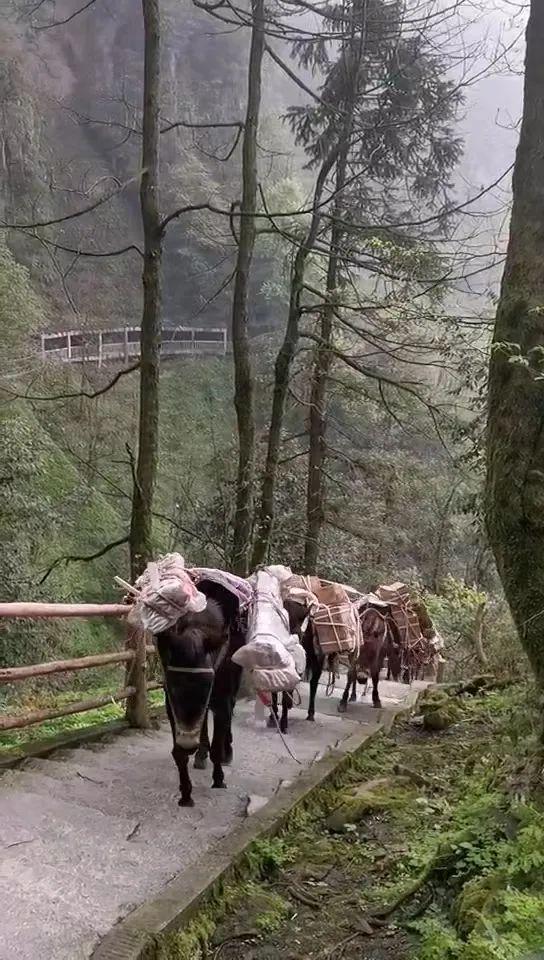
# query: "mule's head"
[[298, 615], [373, 627], [374, 631], [188, 653]]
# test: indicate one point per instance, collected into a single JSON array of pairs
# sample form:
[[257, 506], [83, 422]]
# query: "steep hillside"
[[70, 104]]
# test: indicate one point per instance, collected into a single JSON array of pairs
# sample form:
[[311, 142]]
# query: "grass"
[[49, 729]]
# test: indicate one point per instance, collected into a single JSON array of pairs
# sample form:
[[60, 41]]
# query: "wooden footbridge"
[[123, 343]]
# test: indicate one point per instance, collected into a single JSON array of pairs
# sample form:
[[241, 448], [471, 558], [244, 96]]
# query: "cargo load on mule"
[[420, 642], [333, 615], [335, 620], [163, 593], [273, 657]]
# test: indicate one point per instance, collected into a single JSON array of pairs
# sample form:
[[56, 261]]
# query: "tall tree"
[[350, 68], [243, 374], [145, 472], [515, 439], [282, 367], [378, 133]]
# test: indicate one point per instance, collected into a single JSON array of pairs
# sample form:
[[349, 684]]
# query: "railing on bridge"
[[135, 656], [122, 343]]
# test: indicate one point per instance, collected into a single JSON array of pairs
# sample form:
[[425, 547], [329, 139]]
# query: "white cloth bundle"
[[263, 654], [274, 658]]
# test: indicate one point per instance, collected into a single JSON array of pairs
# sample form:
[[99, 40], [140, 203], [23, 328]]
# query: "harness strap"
[[207, 670]]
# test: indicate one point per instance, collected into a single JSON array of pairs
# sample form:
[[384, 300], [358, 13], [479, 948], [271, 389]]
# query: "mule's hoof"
[[200, 763], [271, 723], [353, 698], [342, 706], [311, 718], [219, 786], [227, 759], [284, 727], [186, 802]]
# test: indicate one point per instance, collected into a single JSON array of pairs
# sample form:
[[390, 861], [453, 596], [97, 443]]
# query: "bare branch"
[[69, 216], [72, 16], [83, 559], [88, 253], [202, 126], [78, 393]]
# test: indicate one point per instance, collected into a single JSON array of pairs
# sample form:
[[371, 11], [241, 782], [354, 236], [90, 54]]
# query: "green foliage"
[[491, 863], [266, 857], [454, 610], [48, 512], [20, 307]]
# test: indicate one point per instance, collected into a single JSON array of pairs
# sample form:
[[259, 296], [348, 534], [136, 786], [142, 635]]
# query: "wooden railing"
[[134, 656], [123, 343]]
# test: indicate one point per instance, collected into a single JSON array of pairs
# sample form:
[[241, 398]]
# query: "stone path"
[[89, 833]]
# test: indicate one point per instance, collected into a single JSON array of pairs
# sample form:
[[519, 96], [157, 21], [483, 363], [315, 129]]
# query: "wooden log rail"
[[134, 656]]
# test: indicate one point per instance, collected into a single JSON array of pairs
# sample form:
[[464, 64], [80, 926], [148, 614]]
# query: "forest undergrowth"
[[431, 847]]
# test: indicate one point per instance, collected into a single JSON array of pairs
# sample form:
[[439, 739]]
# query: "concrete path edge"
[[189, 891]]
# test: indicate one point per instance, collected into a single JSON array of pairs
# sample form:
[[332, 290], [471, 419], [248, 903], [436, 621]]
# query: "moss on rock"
[[384, 793]]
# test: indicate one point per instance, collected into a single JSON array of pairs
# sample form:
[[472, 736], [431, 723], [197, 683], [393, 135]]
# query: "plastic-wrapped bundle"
[[240, 588], [164, 593], [301, 590], [270, 663], [274, 658], [267, 617], [295, 648]]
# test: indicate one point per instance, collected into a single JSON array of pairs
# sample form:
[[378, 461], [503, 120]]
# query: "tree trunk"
[[439, 550], [282, 370], [150, 341], [515, 455], [315, 492], [243, 374], [478, 633]]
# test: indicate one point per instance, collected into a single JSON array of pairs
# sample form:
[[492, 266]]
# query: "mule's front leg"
[[181, 758], [201, 756], [315, 676], [220, 728], [343, 705], [353, 695], [376, 702], [273, 718], [286, 702]]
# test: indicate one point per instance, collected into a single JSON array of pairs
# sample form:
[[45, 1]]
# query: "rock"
[[439, 719], [439, 711], [383, 793]]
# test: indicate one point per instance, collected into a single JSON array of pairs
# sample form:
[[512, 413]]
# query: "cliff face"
[[69, 111]]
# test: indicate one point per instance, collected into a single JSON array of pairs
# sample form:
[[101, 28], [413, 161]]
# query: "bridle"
[[203, 671]]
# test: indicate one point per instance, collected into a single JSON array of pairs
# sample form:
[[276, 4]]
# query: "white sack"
[[298, 654], [276, 680], [265, 653], [267, 618]]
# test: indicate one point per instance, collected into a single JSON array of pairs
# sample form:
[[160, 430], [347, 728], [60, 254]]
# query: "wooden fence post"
[[137, 712]]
